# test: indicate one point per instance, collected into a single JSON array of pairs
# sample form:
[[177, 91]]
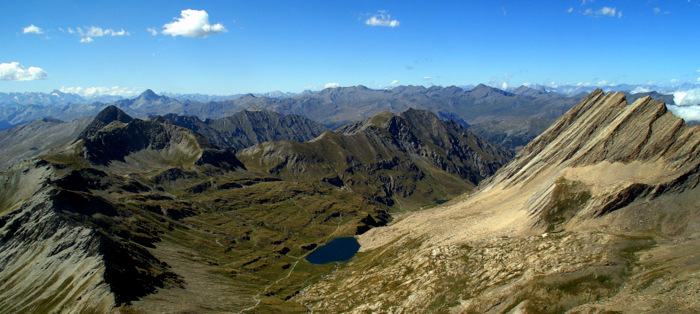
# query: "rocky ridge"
[[600, 209]]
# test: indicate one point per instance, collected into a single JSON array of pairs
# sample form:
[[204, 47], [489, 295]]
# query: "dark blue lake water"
[[338, 250]]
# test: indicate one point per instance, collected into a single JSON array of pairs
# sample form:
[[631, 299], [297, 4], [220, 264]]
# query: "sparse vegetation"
[[568, 197]]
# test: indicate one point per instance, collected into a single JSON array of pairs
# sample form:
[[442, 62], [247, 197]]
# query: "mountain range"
[[177, 213], [509, 119], [147, 215]]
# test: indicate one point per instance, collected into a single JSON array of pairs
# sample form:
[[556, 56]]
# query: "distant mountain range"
[[508, 118]]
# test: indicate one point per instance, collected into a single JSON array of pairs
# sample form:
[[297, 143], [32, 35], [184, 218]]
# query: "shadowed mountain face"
[[394, 159], [600, 209]]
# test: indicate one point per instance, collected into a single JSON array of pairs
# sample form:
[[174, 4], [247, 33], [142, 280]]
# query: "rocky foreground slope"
[[599, 213]]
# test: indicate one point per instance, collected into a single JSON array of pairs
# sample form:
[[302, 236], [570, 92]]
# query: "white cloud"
[[570, 10], [659, 11], [688, 113], [331, 85], [152, 31], [382, 18], [640, 89], [88, 34], [604, 11], [427, 78], [394, 82], [687, 97], [32, 29], [100, 91], [603, 83], [193, 23], [14, 71]]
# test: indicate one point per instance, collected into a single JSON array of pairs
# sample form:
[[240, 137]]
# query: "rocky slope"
[[407, 160], [36, 138], [599, 213]]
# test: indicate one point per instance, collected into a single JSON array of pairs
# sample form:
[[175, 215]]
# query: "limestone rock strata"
[[600, 209]]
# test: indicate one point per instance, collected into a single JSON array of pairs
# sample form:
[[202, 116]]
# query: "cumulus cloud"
[[382, 18], [608, 11], [100, 91], [88, 34], [688, 113], [331, 85], [14, 71], [394, 82], [32, 29], [604, 11], [193, 23], [687, 97], [687, 104], [152, 31]]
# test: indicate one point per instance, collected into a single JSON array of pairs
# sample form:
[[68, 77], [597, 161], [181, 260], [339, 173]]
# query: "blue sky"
[[231, 47]]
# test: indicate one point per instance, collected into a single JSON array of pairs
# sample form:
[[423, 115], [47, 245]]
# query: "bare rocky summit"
[[599, 213]]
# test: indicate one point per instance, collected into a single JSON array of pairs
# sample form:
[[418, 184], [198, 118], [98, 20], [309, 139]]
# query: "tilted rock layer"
[[598, 213]]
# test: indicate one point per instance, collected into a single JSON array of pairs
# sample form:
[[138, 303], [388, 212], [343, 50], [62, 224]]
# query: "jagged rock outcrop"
[[616, 183]]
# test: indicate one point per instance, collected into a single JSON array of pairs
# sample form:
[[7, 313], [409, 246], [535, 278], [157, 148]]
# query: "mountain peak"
[[106, 116], [148, 95]]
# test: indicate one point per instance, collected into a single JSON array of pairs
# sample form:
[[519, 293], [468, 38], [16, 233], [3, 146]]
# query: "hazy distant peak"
[[148, 95]]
